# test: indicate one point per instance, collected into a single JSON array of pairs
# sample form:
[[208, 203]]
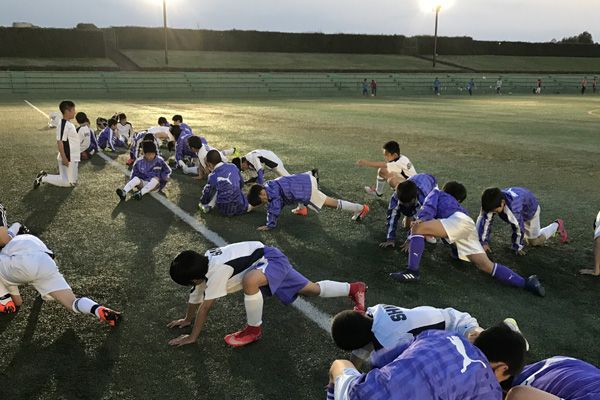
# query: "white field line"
[[593, 112], [320, 318]]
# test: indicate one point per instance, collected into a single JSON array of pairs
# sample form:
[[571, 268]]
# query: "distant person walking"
[[470, 86], [583, 85], [499, 86], [437, 86], [373, 87], [365, 87], [538, 87], [594, 82]]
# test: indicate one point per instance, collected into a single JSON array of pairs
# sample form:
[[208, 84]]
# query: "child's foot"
[[564, 238], [303, 211], [357, 293], [430, 239], [371, 190], [204, 209], [534, 286], [109, 316], [315, 173], [38, 179], [130, 162], [406, 276], [362, 214], [23, 230], [137, 195], [122, 195], [8, 308], [181, 164], [246, 336], [512, 324]]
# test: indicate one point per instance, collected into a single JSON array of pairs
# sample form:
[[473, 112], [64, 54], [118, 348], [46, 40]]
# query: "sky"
[[526, 20]]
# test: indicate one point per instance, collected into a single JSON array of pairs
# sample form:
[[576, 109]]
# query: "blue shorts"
[[284, 281]]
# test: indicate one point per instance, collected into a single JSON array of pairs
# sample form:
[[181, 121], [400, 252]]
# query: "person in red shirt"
[[373, 87]]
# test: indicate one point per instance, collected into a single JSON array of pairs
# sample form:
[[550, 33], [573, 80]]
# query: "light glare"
[[431, 5]]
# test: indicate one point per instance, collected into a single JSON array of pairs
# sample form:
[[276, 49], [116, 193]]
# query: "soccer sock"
[[84, 305], [507, 276], [131, 184], [348, 206], [150, 186], [330, 392], [380, 185], [549, 231], [254, 308], [415, 251], [333, 289], [14, 229]]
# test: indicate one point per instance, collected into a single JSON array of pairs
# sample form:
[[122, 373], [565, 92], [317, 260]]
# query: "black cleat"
[[137, 195], [23, 230], [122, 195], [406, 276], [533, 285], [38, 179]]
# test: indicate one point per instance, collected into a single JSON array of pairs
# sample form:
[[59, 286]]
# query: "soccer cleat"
[[8, 308], [130, 162], [23, 230], [138, 195], [122, 195], [303, 211], [236, 153], [38, 179], [362, 214], [512, 324], [533, 285], [430, 239], [315, 173], [357, 293], [244, 337], [181, 164], [204, 209], [564, 238], [109, 316], [406, 276], [372, 191]]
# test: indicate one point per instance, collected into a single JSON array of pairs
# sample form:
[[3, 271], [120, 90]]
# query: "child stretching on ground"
[[224, 188], [7, 232], [442, 216], [298, 189], [27, 260], [89, 143], [135, 149], [254, 268], [596, 270], [396, 169], [198, 164], [108, 139], [254, 161], [149, 173], [521, 209]]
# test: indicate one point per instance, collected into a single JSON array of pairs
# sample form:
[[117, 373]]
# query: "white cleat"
[[512, 324], [371, 190]]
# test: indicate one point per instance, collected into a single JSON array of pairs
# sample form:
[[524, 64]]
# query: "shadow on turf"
[[37, 201]]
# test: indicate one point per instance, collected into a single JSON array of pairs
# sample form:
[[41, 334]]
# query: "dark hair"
[[111, 122], [392, 147], [177, 118], [81, 118], [237, 162], [188, 266], [213, 157], [162, 121], [195, 142], [122, 116], [351, 330], [148, 137], [456, 190], [175, 131], [254, 195], [149, 147], [491, 198], [65, 105], [407, 191], [501, 344], [171, 146]]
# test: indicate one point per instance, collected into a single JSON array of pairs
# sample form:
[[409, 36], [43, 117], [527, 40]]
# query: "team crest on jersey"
[[408, 166]]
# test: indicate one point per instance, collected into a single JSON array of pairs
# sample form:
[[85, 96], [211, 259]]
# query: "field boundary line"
[[593, 112]]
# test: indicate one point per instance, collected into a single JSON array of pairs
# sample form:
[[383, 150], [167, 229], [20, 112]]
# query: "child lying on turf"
[[149, 173], [520, 208], [27, 260], [109, 139], [254, 161], [596, 270], [254, 268], [298, 189]]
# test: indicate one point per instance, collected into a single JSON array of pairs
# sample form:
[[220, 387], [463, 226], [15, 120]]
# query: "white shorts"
[[597, 226], [532, 227], [317, 198], [342, 383], [461, 231], [37, 269]]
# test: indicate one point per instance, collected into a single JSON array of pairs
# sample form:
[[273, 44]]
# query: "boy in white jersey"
[[199, 165], [124, 128], [68, 143], [254, 161], [89, 142], [596, 270], [395, 170]]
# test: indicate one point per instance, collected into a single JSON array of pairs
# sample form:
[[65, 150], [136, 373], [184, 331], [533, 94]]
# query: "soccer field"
[[119, 253]]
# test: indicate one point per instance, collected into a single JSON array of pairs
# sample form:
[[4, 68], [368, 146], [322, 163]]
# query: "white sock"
[[150, 186], [84, 305], [348, 206], [254, 308], [193, 170], [131, 184], [333, 289], [14, 229], [549, 231], [380, 185]]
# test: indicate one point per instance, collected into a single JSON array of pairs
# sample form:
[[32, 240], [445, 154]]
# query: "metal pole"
[[437, 13], [165, 29]]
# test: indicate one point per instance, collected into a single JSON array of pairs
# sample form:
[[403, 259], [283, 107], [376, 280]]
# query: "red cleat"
[[130, 162], [357, 294], [8, 308], [246, 336], [109, 316], [564, 238], [362, 214], [300, 211]]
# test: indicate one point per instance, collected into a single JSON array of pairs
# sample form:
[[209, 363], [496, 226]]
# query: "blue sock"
[[330, 392], [507, 276], [415, 251]]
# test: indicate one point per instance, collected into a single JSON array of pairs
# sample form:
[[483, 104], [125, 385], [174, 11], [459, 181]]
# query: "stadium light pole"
[[165, 29], [437, 9]]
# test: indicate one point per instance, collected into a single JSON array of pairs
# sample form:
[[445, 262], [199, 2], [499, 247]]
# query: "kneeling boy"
[[224, 188]]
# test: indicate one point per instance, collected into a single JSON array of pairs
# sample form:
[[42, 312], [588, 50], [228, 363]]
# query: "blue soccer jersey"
[[225, 182]]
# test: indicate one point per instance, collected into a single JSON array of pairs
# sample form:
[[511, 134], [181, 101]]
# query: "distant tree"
[[583, 38]]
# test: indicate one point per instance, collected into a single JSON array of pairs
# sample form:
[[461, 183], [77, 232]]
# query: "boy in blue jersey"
[[520, 208], [557, 377], [435, 365], [299, 189], [182, 149], [224, 188], [149, 173], [135, 149], [596, 270], [406, 200], [108, 139], [442, 216]]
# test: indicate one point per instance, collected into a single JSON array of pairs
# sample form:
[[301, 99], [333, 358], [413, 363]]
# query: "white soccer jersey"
[[402, 167], [70, 135], [226, 268], [125, 130], [597, 226], [395, 325], [85, 137], [162, 132], [204, 151], [259, 157]]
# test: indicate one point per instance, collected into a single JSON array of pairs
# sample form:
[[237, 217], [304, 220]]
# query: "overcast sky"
[[529, 20]]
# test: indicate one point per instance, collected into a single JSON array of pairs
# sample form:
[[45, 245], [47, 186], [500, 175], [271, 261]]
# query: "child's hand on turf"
[[521, 252], [405, 246], [588, 271], [263, 228], [179, 323], [182, 340], [361, 163], [387, 243]]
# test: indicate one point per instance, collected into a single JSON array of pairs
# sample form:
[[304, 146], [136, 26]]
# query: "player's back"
[[521, 200], [291, 188], [228, 182], [439, 204]]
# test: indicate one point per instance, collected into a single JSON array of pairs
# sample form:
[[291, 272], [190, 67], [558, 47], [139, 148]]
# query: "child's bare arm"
[[201, 317], [61, 150], [190, 314], [596, 270], [373, 164], [4, 236]]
